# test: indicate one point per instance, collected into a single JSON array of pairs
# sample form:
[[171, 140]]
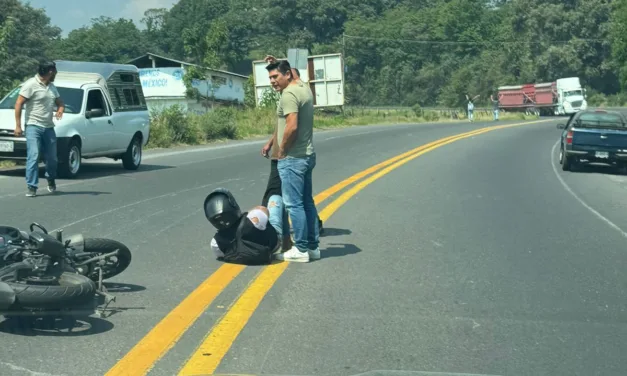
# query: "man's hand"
[[18, 131], [266, 149], [270, 59], [60, 109]]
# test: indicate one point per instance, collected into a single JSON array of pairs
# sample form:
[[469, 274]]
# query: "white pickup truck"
[[105, 116]]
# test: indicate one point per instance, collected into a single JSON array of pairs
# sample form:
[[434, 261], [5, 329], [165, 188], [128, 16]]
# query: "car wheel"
[[132, 159], [71, 162]]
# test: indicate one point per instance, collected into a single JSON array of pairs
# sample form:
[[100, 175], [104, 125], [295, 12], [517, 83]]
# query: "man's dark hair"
[[282, 66], [46, 67], [297, 72]]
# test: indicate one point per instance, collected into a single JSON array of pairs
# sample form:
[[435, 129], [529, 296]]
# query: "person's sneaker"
[[52, 186], [293, 255], [31, 192], [315, 254]]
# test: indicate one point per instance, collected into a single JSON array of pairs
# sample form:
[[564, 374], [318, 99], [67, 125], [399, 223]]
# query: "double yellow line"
[[207, 357]]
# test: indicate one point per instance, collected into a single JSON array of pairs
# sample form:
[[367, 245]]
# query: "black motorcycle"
[[41, 273]]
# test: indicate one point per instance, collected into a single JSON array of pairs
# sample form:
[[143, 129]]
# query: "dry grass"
[[171, 127]]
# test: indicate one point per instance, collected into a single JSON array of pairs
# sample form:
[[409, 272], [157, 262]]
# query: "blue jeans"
[[496, 114], [278, 216], [44, 140], [297, 192]]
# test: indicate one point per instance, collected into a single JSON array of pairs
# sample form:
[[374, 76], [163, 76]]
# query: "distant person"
[[495, 106], [296, 160], [244, 238], [471, 107], [39, 96]]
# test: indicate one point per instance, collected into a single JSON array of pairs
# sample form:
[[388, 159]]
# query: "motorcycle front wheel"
[[115, 265]]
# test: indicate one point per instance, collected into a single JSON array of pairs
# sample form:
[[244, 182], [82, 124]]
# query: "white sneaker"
[[293, 255], [315, 254]]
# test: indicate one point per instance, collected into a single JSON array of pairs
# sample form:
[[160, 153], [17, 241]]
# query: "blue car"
[[594, 136]]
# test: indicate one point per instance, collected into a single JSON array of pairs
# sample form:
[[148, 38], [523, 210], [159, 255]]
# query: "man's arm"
[[18, 114], [291, 130], [60, 108], [290, 109], [60, 105]]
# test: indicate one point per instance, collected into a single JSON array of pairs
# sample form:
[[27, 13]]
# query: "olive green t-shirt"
[[297, 98]]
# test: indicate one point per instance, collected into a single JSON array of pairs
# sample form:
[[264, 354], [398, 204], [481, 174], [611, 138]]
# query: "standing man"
[[273, 189], [296, 160], [495, 106], [471, 107], [39, 96]]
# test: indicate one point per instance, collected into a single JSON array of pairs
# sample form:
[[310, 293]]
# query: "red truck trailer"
[[540, 99]]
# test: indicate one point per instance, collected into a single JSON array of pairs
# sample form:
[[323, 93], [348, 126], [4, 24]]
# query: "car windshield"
[[600, 120], [73, 99]]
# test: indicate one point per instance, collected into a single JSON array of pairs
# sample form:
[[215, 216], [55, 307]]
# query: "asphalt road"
[[478, 257]]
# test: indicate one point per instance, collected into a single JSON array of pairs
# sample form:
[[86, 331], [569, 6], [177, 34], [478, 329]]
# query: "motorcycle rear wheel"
[[67, 291]]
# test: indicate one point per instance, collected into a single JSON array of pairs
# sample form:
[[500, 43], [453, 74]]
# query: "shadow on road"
[[92, 170], [73, 193], [331, 231], [55, 326], [598, 169], [339, 250], [116, 288]]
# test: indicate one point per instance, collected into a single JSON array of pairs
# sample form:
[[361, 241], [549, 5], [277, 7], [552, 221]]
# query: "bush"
[[173, 126]]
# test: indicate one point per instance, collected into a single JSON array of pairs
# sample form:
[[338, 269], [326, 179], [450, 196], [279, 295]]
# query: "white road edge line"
[[582, 202]]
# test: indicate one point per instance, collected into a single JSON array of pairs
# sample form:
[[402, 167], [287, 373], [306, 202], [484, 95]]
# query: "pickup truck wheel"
[[70, 163], [133, 156], [567, 163]]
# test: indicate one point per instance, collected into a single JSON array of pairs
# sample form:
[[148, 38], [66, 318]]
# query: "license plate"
[[601, 154], [6, 146]]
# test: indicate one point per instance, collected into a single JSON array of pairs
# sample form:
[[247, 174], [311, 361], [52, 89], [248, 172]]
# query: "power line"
[[419, 41]]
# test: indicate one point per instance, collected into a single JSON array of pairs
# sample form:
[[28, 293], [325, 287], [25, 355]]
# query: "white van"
[[105, 116]]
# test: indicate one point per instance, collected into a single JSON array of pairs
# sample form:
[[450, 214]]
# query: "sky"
[[72, 14]]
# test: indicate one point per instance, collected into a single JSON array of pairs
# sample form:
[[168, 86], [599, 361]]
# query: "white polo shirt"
[[39, 108]]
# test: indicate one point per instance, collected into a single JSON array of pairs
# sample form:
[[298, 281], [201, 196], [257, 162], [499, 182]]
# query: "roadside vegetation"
[[172, 126]]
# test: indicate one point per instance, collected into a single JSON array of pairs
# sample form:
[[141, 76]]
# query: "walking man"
[[296, 160], [39, 96]]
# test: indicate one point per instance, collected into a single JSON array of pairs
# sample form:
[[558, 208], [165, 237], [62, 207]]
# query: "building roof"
[[145, 58]]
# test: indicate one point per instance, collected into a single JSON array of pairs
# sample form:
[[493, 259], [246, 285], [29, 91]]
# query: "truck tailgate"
[[600, 139]]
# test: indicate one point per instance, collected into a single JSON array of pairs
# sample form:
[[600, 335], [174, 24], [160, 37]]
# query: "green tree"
[[26, 37]]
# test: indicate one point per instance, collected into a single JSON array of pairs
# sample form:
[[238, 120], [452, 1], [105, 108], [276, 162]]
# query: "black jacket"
[[245, 244]]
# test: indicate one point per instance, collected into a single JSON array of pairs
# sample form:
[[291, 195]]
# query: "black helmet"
[[221, 209]]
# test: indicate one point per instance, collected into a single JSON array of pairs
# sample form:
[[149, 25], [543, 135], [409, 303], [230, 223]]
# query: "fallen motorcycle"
[[43, 273]]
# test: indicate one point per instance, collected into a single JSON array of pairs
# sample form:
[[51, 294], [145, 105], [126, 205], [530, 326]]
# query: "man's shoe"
[[52, 186], [315, 254], [31, 192], [293, 255]]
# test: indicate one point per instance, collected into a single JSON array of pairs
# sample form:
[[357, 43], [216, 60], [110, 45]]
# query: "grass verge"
[[172, 126]]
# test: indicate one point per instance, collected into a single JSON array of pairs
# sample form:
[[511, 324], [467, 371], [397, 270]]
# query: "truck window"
[[599, 120], [73, 99], [131, 97], [95, 100]]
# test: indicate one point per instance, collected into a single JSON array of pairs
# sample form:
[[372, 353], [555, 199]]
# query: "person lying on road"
[[241, 237]]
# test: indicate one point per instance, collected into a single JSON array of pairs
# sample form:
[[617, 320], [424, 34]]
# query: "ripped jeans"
[[278, 216]]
